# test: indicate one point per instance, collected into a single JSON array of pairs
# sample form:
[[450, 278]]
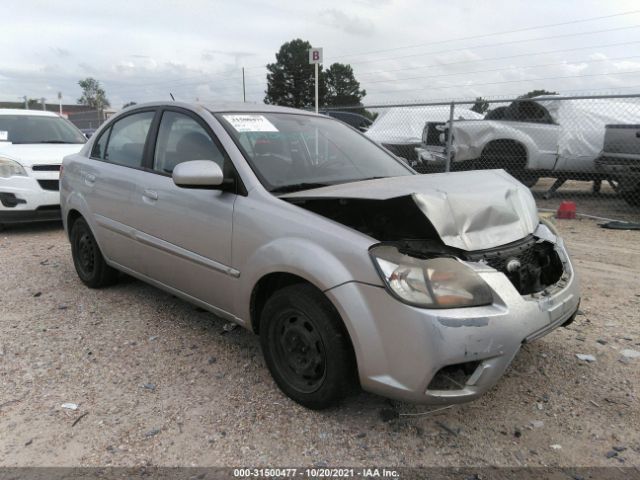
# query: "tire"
[[87, 257], [306, 347], [513, 162]]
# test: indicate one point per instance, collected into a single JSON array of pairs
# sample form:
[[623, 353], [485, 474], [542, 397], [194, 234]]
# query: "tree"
[[535, 93], [93, 94], [129, 104], [480, 106], [343, 89], [290, 80], [34, 104]]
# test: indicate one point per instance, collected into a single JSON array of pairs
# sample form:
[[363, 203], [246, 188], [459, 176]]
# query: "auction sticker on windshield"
[[250, 123], [4, 135]]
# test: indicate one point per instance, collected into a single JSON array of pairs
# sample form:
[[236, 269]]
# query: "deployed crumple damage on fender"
[[469, 211]]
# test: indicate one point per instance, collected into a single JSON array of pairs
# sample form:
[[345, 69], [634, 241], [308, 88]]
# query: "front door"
[[185, 234]]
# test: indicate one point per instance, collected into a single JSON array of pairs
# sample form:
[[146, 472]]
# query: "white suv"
[[32, 145]]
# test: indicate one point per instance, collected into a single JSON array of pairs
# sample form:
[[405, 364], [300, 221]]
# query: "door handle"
[[150, 194]]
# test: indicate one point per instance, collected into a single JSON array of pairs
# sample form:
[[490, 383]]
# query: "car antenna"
[[171, 95]]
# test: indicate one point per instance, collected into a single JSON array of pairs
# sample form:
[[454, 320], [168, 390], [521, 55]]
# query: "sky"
[[401, 50]]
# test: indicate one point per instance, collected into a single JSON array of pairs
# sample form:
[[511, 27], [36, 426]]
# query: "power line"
[[503, 69], [505, 32], [466, 85], [452, 50], [499, 44]]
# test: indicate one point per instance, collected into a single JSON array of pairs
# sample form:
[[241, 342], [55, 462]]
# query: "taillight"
[[61, 169]]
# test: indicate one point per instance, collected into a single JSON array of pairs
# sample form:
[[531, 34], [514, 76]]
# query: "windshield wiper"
[[295, 187], [53, 141]]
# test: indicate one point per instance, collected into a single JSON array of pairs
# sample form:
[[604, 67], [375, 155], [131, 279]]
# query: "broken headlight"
[[442, 282], [9, 168]]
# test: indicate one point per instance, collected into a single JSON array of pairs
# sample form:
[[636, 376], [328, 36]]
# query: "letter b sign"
[[315, 55]]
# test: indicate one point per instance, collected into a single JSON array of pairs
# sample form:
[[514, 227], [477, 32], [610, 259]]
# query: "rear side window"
[[125, 145], [181, 139], [100, 146]]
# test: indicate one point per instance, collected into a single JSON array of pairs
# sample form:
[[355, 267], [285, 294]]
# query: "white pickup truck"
[[530, 138]]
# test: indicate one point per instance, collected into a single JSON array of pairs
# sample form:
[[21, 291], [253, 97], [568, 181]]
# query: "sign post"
[[315, 58]]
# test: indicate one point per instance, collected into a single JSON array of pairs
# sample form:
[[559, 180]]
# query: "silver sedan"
[[353, 269]]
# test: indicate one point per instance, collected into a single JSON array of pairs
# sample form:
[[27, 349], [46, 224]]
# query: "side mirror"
[[198, 174]]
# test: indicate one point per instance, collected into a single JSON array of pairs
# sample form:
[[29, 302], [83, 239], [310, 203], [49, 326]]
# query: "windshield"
[[290, 152], [38, 129]]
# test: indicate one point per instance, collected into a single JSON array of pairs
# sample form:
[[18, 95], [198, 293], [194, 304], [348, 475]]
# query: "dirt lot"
[[606, 204], [160, 382]]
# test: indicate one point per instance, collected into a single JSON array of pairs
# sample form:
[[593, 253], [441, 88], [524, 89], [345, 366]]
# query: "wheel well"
[[71, 219], [512, 147], [273, 282], [266, 287]]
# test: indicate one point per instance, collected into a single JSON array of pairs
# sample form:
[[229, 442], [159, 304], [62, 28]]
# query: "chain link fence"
[[583, 150]]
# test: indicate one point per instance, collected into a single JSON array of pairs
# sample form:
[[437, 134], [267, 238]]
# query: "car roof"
[[20, 111], [225, 107]]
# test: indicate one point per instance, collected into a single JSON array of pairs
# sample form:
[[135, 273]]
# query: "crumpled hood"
[[30, 154], [472, 210]]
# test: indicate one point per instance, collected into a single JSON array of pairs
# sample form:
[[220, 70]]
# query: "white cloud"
[[198, 51]]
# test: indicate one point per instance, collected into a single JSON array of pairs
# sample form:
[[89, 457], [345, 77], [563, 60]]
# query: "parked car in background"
[[531, 138], [356, 120], [352, 268], [399, 129], [32, 145], [620, 159]]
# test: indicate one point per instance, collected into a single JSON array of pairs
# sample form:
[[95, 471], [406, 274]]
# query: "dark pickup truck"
[[620, 159]]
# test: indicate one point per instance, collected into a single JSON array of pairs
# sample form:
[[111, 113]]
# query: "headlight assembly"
[[441, 282], [9, 168]]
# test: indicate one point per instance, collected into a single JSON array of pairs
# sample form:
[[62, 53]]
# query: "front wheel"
[[306, 347], [87, 257]]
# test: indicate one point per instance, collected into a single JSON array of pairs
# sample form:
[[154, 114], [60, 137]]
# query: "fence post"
[[447, 166]]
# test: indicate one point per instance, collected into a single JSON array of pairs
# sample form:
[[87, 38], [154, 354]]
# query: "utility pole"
[[244, 93], [26, 102], [60, 102], [42, 100]]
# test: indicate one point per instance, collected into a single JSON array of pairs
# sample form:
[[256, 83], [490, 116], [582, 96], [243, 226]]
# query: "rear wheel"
[[87, 258], [510, 157], [306, 347]]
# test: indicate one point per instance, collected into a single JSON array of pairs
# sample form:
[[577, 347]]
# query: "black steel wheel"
[[306, 347], [87, 258]]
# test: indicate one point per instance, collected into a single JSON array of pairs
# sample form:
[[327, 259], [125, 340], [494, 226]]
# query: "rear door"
[[185, 234], [110, 183]]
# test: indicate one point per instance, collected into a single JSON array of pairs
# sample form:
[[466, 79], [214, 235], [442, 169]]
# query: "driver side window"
[[181, 139]]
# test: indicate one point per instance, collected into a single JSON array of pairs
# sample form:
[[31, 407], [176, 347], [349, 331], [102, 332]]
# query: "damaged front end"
[[423, 218]]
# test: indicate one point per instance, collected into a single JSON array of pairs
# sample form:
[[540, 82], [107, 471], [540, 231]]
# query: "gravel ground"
[[606, 204], [159, 382]]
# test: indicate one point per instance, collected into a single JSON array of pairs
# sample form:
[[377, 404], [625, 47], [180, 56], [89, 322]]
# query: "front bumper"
[[23, 199], [400, 349], [434, 160]]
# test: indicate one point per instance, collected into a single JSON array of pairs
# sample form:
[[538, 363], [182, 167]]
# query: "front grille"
[[46, 168], [405, 150], [531, 265], [53, 185]]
